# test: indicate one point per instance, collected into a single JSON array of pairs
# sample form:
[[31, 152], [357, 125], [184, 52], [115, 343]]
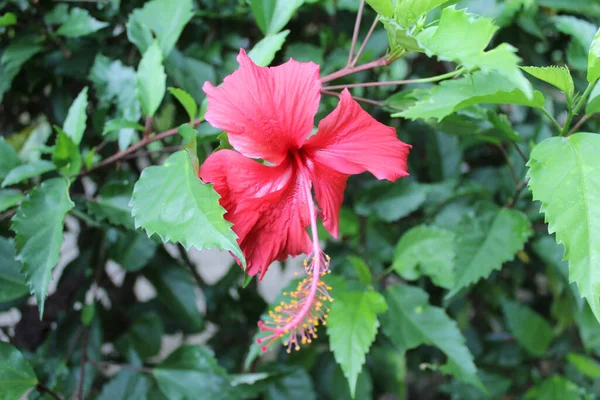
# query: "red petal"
[[351, 141], [265, 111], [265, 204], [329, 187]]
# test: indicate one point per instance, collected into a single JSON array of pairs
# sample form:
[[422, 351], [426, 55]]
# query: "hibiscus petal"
[[265, 111], [329, 186], [350, 141], [265, 204]]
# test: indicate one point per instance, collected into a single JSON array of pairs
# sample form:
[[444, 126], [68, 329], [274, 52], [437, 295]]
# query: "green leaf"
[[593, 104], [126, 385], [9, 159], [58, 15], [532, 331], [583, 33], [593, 72], [118, 124], [352, 326], [478, 88], [411, 322], [66, 154], [132, 250], [362, 269], [38, 225], [88, 312], [477, 122], [273, 15], [408, 12], [264, 51], [296, 385], [80, 23], [559, 77], [191, 370], [486, 243], [8, 19], [189, 74], [175, 289], [563, 176], [16, 375], [586, 365], [555, 388], [390, 202], [144, 335], [171, 201], [112, 203], [382, 7], [426, 250], [74, 125], [12, 283], [151, 80], [160, 19], [27, 171], [9, 198], [13, 58], [187, 101], [462, 38]]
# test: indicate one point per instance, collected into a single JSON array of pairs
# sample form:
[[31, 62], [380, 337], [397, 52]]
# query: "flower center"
[[306, 307]]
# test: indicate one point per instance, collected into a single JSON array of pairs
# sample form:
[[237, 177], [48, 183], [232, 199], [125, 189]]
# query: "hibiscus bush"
[[299, 199]]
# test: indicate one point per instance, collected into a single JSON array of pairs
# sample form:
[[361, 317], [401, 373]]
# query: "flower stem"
[[357, 98], [551, 118], [380, 62], [402, 82], [579, 123], [574, 111], [361, 7], [365, 41]]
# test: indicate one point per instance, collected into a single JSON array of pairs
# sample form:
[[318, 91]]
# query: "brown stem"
[[168, 149], [380, 62], [144, 142], [43, 389], [355, 33], [7, 214], [364, 43], [148, 126], [510, 166], [579, 123], [357, 98], [523, 156], [518, 190], [105, 364]]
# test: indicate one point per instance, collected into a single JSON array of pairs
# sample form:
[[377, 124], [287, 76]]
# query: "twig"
[[361, 7], [144, 142], [168, 149], [7, 214], [106, 364], [551, 118], [191, 266], [44, 389], [518, 190], [578, 124], [523, 156], [380, 62], [436, 78], [365, 41], [86, 337], [357, 98], [509, 163], [148, 127]]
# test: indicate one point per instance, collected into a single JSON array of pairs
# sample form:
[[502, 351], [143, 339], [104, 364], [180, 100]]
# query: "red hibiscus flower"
[[268, 114]]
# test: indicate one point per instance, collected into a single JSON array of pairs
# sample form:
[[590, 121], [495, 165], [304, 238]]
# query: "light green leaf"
[[8, 19], [593, 104], [191, 370], [463, 38], [382, 7], [37, 136], [352, 326], [408, 12], [264, 51], [66, 154], [362, 269], [16, 375], [273, 15], [163, 19], [426, 250], [586, 365], [564, 175], [559, 77], [478, 122], [478, 88], [187, 101], [532, 331], [74, 125], [583, 33], [27, 171], [118, 124], [9, 159], [151, 80], [411, 322], [9, 198], [12, 282], [486, 243], [38, 225], [112, 203], [593, 72], [171, 201], [555, 388], [80, 23]]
